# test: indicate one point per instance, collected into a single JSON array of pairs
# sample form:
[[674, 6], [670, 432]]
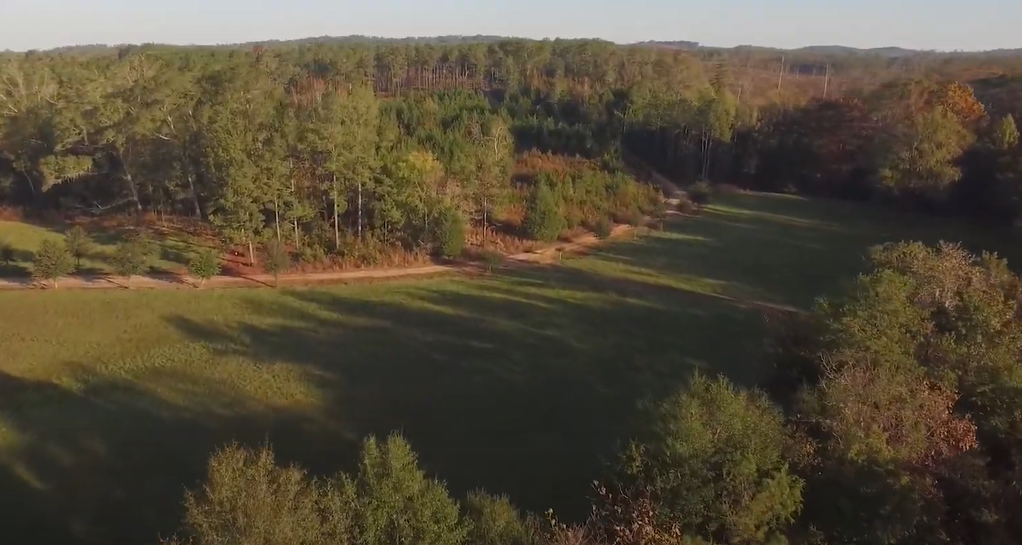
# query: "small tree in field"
[[52, 261], [204, 265], [78, 243], [544, 221], [143, 239], [660, 212], [278, 260], [131, 259]]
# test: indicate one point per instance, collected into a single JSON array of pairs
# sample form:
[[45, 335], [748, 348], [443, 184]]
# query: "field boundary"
[[545, 255]]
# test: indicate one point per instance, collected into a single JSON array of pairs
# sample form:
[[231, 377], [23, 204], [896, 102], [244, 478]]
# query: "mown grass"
[[520, 382], [25, 238]]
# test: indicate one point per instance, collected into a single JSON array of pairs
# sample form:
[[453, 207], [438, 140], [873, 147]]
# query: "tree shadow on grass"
[[522, 384], [16, 269], [176, 251], [773, 249], [20, 265], [108, 462]]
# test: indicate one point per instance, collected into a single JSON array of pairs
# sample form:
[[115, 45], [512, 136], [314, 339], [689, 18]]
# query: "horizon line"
[[495, 37]]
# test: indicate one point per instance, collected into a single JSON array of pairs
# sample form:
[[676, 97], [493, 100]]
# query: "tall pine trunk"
[[337, 223], [276, 216], [291, 167], [134, 190], [195, 195]]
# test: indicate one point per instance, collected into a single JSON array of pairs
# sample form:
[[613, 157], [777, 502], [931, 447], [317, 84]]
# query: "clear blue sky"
[[925, 24]]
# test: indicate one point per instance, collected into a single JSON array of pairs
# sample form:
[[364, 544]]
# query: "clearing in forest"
[[518, 382]]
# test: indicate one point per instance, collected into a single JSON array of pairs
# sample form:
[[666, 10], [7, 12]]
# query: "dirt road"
[[168, 281]]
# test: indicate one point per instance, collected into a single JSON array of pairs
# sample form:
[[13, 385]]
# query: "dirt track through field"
[[169, 281]]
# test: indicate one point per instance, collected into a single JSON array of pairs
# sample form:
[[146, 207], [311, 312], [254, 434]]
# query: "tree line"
[[328, 146], [267, 145]]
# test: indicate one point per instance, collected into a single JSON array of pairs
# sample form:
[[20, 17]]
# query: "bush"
[[634, 218], [603, 228], [52, 261], [278, 260], [727, 189], [204, 265], [450, 233], [493, 520], [132, 258], [700, 193], [247, 499], [312, 254], [78, 243], [713, 461], [686, 206], [492, 259], [543, 220]]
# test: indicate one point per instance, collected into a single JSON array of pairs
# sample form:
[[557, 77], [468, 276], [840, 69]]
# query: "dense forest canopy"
[[312, 141]]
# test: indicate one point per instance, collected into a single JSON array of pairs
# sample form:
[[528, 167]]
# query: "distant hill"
[[360, 39], [828, 50], [831, 50], [677, 44], [683, 45], [844, 50]]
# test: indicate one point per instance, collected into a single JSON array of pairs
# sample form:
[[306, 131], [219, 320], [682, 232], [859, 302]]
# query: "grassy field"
[[520, 382], [25, 238]]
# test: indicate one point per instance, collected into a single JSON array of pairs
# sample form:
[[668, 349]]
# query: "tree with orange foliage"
[[959, 100]]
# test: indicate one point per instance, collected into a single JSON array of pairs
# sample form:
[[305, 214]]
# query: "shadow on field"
[[64, 482], [522, 382]]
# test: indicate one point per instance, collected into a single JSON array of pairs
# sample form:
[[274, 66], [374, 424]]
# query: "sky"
[[917, 24]]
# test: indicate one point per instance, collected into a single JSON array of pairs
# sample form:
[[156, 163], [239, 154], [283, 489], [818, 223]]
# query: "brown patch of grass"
[[533, 162], [10, 214]]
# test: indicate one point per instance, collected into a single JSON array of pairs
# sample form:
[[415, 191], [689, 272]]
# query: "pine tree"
[[544, 220], [1005, 134], [451, 233]]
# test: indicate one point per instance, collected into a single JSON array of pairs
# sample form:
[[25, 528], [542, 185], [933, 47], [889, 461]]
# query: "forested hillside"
[[313, 144]]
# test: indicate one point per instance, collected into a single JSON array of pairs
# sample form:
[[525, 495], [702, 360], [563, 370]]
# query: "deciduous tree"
[[204, 264], [52, 261], [78, 242]]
